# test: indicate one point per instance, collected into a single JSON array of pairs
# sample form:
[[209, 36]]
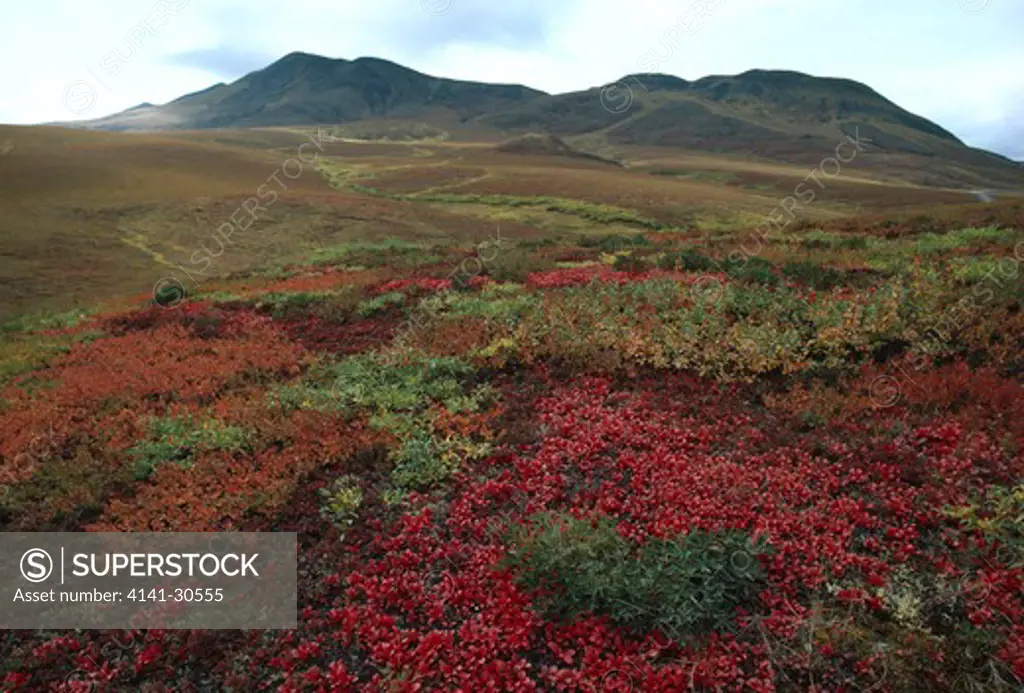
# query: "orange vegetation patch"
[[220, 488], [160, 362]]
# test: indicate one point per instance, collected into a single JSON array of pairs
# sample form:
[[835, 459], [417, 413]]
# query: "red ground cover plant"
[[158, 357], [424, 605], [884, 567]]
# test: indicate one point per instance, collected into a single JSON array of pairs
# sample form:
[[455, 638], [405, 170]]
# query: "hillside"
[[787, 116], [769, 114], [538, 144], [90, 216], [308, 89]]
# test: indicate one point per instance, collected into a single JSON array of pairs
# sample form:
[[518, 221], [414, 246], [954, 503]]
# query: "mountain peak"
[[657, 81], [301, 56]]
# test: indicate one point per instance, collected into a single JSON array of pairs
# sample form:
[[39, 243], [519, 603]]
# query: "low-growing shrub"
[[408, 382], [289, 305], [614, 242], [753, 269], [516, 265], [424, 458], [380, 303], [824, 239], [630, 263], [504, 302], [813, 275], [927, 243], [682, 586], [690, 261], [341, 502], [1000, 518], [45, 321], [178, 439]]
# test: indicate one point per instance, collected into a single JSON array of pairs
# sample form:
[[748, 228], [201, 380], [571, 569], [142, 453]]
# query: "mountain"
[[305, 89], [782, 115], [774, 114], [655, 104]]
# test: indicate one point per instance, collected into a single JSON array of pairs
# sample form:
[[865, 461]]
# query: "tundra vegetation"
[[541, 423]]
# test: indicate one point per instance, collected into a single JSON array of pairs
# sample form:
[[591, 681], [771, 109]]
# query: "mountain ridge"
[[779, 114]]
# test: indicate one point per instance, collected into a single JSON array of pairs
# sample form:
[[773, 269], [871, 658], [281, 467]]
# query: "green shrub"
[[380, 303], [986, 268], [423, 459], [314, 395], [341, 502], [394, 383], [516, 265], [45, 321], [614, 242], [604, 214], [753, 269], [629, 263], [1000, 518], [824, 239], [761, 304], [178, 439], [927, 243], [219, 297], [690, 261], [294, 304], [419, 462], [682, 586], [813, 275], [383, 382]]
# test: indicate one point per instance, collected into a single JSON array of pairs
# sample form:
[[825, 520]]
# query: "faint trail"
[[138, 241], [456, 184]]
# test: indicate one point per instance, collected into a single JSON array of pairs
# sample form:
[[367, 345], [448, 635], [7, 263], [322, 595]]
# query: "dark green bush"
[[629, 263], [816, 276], [689, 261], [328, 305], [681, 586], [533, 244], [753, 269], [614, 242], [516, 265], [850, 243]]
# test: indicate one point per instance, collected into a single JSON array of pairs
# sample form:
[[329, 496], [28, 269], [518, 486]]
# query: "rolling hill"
[[304, 89], [787, 116], [769, 114]]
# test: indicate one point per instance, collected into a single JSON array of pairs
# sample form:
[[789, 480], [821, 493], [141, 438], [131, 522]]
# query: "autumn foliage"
[[660, 473]]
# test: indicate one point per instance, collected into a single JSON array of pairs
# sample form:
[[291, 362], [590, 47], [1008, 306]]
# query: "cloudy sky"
[[958, 62]]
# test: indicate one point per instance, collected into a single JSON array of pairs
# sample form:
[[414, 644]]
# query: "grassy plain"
[[94, 216]]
